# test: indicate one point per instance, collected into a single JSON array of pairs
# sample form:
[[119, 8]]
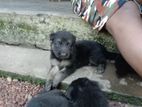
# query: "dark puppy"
[[67, 55], [122, 67], [81, 93], [53, 98], [86, 93]]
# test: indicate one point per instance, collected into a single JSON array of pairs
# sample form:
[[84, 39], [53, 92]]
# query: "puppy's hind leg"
[[98, 59], [100, 68]]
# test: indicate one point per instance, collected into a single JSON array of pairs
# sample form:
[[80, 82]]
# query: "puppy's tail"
[[111, 55]]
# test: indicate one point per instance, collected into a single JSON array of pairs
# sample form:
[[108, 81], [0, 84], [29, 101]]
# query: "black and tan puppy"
[[86, 93], [81, 93], [67, 55]]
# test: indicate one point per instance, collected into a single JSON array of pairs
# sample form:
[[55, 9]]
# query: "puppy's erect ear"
[[51, 36], [74, 38]]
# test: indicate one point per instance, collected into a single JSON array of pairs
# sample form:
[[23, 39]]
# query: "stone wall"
[[34, 30]]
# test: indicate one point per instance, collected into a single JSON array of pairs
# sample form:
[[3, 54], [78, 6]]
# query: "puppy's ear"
[[74, 38], [51, 36]]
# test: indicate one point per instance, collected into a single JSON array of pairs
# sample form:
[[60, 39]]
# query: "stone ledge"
[[36, 63], [34, 30], [29, 23], [34, 7]]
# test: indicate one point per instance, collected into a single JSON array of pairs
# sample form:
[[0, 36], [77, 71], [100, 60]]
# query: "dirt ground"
[[15, 94]]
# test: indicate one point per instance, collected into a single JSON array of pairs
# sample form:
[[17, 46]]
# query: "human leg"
[[126, 28]]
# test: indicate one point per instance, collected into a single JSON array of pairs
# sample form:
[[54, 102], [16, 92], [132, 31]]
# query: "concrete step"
[[36, 7], [24, 61], [36, 63]]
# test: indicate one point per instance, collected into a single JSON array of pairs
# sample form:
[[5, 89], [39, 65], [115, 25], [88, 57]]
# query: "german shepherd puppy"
[[52, 98], [80, 93], [67, 55], [86, 93]]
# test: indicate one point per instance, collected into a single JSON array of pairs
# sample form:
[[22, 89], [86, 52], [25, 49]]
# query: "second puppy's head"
[[86, 93], [82, 86], [62, 44]]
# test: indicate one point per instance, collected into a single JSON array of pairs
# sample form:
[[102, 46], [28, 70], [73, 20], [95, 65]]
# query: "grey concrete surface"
[[36, 63], [24, 61], [109, 82], [35, 7]]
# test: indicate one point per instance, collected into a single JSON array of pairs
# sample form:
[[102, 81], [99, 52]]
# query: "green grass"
[[2, 24], [125, 99], [30, 30], [29, 79], [26, 27], [22, 26]]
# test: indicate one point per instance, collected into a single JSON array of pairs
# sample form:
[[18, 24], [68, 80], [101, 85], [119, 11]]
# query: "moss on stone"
[[125, 99], [2, 24], [35, 30], [26, 27]]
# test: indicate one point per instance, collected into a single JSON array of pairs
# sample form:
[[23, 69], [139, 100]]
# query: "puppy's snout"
[[63, 54]]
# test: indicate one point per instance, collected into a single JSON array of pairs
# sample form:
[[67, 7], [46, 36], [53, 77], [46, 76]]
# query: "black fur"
[[67, 55], [86, 93], [122, 67], [53, 98], [81, 93], [62, 44]]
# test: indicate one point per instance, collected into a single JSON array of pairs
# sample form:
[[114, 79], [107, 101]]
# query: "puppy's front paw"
[[48, 85], [55, 84]]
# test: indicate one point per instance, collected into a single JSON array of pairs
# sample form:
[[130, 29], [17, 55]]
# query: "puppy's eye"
[[68, 44], [59, 42]]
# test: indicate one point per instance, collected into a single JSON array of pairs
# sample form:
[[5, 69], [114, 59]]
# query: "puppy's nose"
[[63, 54]]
